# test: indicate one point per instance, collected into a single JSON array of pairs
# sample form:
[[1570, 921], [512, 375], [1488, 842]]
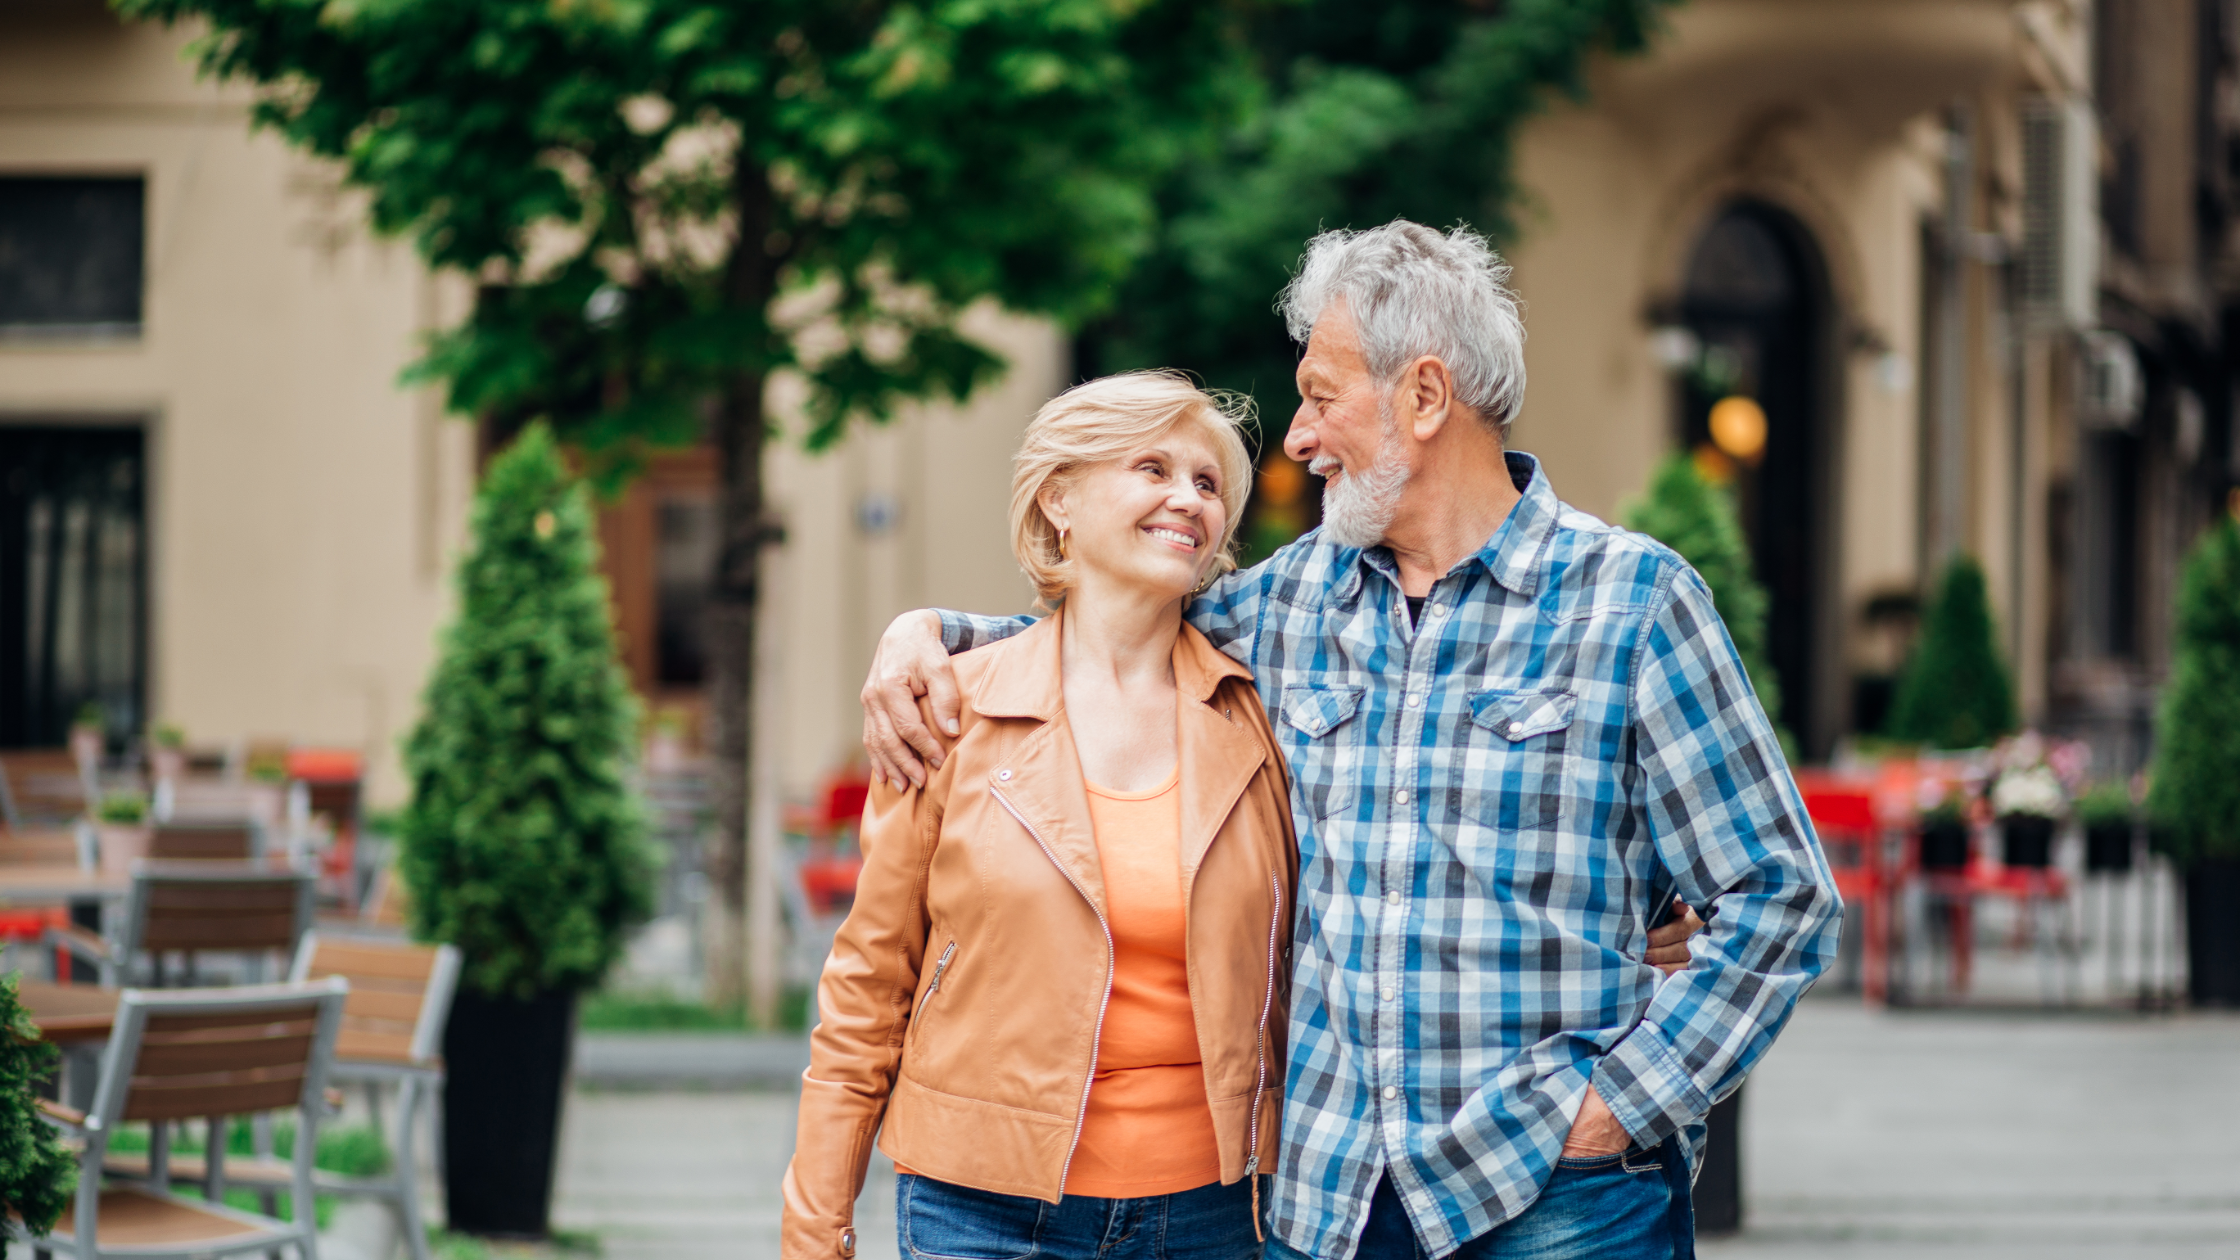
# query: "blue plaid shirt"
[[1489, 806]]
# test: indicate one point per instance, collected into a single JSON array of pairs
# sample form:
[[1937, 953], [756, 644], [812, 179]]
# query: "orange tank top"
[[1148, 1129]]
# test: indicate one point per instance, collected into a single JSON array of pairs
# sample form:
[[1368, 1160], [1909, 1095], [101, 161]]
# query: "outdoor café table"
[[36, 885], [69, 1014]]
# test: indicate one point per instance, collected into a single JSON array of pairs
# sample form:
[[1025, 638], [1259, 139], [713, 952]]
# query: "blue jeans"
[[1633, 1206], [935, 1220]]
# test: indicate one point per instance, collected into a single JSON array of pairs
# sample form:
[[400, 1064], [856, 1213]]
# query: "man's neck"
[[1458, 497]]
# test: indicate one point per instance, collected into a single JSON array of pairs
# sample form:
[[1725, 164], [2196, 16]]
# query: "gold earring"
[[1062, 545], [1203, 583]]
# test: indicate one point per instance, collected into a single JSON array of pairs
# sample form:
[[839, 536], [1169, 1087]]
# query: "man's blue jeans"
[[935, 1220], [1633, 1206]]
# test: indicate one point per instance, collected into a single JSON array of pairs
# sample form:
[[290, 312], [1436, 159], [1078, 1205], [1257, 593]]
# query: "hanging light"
[[1738, 427]]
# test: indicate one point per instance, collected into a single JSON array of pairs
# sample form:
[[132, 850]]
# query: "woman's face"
[[1149, 520]]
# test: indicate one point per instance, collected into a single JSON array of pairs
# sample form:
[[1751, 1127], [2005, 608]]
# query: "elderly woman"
[[1058, 1002]]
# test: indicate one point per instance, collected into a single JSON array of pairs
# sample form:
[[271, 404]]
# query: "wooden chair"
[[204, 842], [207, 1054], [44, 787], [392, 1034], [194, 908]]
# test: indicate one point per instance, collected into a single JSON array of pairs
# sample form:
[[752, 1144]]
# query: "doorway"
[[1756, 298], [73, 581]]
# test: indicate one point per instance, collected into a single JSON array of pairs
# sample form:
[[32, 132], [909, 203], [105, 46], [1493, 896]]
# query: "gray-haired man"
[[1513, 732]]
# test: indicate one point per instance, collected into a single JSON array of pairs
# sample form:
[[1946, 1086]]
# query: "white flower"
[[2029, 790]]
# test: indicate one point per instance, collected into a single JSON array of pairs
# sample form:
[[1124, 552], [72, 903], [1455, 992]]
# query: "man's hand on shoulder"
[[910, 662], [1596, 1132]]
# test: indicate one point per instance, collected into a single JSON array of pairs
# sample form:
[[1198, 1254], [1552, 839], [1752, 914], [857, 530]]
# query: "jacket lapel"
[[1042, 778], [1218, 752]]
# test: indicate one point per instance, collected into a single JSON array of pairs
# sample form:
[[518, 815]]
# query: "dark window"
[[71, 255], [73, 580], [684, 560]]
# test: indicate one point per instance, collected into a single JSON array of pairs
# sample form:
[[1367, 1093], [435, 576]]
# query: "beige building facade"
[[1879, 219], [279, 567]]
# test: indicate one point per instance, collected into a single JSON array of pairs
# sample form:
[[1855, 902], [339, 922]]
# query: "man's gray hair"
[[1414, 292]]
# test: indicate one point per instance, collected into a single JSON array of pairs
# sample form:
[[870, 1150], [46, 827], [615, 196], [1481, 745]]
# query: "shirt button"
[[1391, 1092], [1438, 610], [1392, 897], [1385, 993], [1401, 796], [1516, 730], [1415, 699]]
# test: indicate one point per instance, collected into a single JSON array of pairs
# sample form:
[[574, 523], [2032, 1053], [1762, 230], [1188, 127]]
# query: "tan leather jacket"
[[965, 993]]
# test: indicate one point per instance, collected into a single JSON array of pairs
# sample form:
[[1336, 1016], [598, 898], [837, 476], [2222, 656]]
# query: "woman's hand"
[[1668, 945]]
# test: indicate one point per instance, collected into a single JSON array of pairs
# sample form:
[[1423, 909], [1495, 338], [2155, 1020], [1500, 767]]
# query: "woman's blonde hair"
[[1101, 421]]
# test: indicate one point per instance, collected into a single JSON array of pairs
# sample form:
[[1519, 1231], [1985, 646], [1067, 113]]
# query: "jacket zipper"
[[1260, 1053], [1096, 1043], [935, 987]]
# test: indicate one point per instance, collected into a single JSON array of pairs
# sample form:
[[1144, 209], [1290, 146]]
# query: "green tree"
[[523, 840], [2195, 799], [1955, 692], [36, 1173], [1359, 114], [667, 202], [1689, 514]]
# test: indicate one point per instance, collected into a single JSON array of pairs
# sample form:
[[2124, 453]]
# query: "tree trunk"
[[733, 599]]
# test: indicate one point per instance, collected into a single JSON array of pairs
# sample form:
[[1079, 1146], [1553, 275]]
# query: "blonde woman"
[[1058, 1001]]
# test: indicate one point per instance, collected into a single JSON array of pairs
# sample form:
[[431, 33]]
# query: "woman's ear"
[[1052, 501]]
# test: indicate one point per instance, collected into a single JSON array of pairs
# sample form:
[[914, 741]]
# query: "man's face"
[[1344, 432]]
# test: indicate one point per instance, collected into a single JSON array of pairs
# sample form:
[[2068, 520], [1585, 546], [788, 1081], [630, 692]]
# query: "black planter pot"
[[1718, 1188], [2107, 848], [1944, 846], [2025, 840], [2213, 931], [505, 1067]]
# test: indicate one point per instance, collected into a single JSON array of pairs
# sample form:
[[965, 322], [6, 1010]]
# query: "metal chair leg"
[[406, 1167]]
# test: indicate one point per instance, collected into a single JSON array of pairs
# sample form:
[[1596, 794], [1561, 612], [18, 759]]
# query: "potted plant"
[[665, 742], [1955, 691], [2109, 819], [2195, 798], [167, 752], [2027, 800], [37, 1174], [121, 825], [522, 842], [89, 735], [1944, 833]]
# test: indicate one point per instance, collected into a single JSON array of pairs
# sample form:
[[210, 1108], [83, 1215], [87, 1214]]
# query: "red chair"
[[1851, 833]]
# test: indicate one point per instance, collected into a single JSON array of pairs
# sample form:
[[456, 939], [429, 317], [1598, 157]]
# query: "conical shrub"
[[1955, 692], [2195, 800], [1696, 518], [523, 843], [36, 1173]]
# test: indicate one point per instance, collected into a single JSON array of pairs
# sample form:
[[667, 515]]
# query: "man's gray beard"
[[1358, 507]]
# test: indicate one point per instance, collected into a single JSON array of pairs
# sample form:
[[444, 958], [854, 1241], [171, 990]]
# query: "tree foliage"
[[36, 1173], [522, 842], [1358, 114], [2195, 799], [1689, 514], [1955, 691], [663, 195]]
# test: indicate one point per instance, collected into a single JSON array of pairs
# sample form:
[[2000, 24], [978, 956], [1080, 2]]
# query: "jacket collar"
[[1041, 779]]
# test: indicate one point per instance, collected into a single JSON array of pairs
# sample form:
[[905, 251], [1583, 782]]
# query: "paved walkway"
[[1945, 1135]]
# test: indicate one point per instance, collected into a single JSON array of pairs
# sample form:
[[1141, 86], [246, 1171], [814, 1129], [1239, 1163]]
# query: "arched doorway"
[[1756, 298]]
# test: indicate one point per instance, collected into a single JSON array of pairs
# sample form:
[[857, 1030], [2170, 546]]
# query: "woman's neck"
[[1119, 637]]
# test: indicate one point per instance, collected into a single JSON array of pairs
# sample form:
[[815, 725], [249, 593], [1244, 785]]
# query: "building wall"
[[305, 510]]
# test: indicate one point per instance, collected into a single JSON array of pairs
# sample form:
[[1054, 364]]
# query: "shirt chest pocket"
[[1522, 741], [1326, 737]]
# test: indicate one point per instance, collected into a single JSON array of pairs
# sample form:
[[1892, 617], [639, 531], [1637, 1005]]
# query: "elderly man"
[[1513, 732]]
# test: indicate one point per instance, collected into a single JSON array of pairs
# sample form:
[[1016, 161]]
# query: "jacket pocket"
[[1526, 737], [1326, 745], [933, 985]]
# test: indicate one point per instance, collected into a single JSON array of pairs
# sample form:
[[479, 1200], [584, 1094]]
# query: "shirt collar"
[[1512, 556]]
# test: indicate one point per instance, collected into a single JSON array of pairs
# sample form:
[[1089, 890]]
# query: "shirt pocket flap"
[[1520, 715], [1318, 710]]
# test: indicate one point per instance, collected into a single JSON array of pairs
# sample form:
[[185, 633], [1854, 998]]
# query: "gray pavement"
[[1949, 1135]]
